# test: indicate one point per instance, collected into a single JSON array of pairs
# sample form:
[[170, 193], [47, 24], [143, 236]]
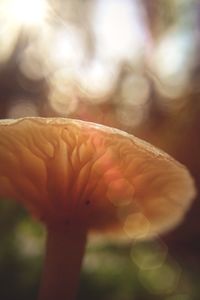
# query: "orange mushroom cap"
[[75, 174]]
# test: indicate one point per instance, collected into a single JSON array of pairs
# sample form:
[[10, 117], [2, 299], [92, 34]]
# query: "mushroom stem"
[[64, 253]]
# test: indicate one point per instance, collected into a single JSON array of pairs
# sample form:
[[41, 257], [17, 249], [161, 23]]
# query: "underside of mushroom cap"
[[75, 174]]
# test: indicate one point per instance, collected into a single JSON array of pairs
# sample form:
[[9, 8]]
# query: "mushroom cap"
[[76, 174]]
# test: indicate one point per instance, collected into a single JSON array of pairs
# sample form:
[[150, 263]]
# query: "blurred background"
[[130, 64]]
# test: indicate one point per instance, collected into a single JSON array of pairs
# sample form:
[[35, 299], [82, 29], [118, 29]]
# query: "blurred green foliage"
[[134, 271], [19, 273]]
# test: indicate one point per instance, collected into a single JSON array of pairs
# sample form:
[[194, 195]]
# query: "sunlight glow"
[[135, 90], [25, 12], [8, 39], [63, 93], [119, 29], [172, 62], [68, 47], [171, 55], [97, 80]]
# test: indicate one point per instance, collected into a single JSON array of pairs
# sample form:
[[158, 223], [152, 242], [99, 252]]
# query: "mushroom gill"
[[77, 177]]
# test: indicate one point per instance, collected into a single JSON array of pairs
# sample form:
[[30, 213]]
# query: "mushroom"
[[78, 177]]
